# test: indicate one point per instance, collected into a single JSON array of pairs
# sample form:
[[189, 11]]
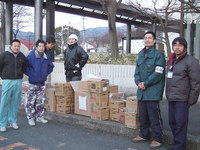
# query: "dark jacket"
[[38, 67], [75, 59], [148, 61], [184, 85], [11, 66], [50, 54]]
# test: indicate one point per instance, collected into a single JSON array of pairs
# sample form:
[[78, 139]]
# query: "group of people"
[[37, 66], [182, 76]]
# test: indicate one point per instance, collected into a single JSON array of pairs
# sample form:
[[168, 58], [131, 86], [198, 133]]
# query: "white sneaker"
[[3, 129], [14, 126], [41, 119], [31, 122]]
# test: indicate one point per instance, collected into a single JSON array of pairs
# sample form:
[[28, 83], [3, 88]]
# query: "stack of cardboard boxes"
[[64, 98], [50, 102], [94, 98], [131, 114], [99, 89], [116, 102]]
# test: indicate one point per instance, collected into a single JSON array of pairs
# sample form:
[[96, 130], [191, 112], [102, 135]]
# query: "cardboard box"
[[132, 104], [131, 120], [63, 89], [116, 96], [114, 111], [160, 47], [114, 117], [113, 89], [100, 113], [99, 100], [64, 103], [50, 102], [122, 115], [82, 103], [63, 109], [47, 85], [84, 86], [65, 98], [116, 104], [98, 85]]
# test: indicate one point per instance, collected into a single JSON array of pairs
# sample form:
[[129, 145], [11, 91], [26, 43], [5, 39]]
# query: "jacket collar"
[[148, 52], [72, 46], [172, 57], [38, 55]]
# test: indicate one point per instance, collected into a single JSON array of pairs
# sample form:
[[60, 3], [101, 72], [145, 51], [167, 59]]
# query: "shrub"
[[105, 58]]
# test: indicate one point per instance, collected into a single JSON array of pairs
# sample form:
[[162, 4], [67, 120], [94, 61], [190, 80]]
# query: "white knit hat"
[[73, 36]]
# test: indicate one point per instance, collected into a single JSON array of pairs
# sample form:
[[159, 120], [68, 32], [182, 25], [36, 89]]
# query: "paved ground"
[[118, 129], [60, 136]]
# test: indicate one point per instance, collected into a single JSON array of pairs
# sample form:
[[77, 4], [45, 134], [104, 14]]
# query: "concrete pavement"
[[193, 138]]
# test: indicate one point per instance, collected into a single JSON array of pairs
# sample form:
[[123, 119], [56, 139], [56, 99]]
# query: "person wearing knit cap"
[[75, 59], [150, 79], [182, 90]]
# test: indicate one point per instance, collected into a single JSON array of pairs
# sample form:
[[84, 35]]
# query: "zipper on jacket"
[[16, 67]]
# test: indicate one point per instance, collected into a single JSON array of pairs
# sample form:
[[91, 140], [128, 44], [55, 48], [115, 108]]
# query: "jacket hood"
[[15, 54]]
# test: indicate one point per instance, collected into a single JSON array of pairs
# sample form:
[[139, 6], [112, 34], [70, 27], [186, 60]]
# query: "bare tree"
[[110, 9], [21, 17], [94, 38], [138, 32], [191, 6], [164, 14]]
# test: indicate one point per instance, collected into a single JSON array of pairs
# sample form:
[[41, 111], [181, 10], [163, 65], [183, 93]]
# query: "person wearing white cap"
[[75, 59]]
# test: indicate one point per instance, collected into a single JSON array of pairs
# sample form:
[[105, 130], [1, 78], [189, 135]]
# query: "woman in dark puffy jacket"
[[182, 90]]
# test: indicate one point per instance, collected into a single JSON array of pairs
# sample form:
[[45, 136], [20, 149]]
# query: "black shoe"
[[170, 147]]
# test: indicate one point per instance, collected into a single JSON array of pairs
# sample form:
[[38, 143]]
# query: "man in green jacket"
[[150, 79]]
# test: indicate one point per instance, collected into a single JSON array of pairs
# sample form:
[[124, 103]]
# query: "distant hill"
[[29, 36], [99, 31]]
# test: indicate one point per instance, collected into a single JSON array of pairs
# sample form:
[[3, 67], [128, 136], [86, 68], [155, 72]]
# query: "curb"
[[193, 142]]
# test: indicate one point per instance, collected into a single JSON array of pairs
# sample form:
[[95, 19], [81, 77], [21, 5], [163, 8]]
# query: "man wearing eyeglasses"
[[150, 79]]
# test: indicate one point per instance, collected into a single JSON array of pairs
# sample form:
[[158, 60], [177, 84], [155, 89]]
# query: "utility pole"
[[62, 40], [2, 28], [182, 20], [84, 46]]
